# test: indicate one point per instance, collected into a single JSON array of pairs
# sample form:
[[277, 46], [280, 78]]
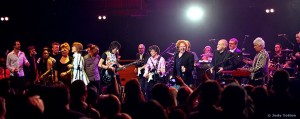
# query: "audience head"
[[281, 80], [108, 105]]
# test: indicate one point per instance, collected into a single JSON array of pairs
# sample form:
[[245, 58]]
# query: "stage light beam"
[[195, 13], [272, 10], [267, 11], [6, 18]]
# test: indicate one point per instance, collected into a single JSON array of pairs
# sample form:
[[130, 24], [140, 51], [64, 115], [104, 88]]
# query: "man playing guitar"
[[140, 66], [155, 69], [109, 63]]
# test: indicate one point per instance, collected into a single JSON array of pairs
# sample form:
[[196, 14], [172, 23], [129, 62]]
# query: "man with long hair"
[[108, 63]]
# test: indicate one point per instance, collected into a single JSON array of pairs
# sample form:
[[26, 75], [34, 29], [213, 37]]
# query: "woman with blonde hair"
[[62, 71]]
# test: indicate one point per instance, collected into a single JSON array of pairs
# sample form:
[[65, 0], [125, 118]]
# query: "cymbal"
[[246, 54], [287, 50]]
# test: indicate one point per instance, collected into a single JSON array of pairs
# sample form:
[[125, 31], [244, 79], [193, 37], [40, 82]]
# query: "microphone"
[[246, 35], [211, 39], [281, 34], [85, 50]]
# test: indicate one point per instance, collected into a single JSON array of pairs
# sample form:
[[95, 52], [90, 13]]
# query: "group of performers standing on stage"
[[150, 68]]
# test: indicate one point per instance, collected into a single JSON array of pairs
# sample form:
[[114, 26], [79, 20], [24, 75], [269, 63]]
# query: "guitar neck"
[[124, 66]]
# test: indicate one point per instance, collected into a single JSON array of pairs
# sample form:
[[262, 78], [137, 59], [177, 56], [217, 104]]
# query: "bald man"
[[221, 60], [140, 66]]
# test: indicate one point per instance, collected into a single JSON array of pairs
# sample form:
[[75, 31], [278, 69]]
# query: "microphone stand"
[[168, 49], [244, 41], [52, 71], [215, 42], [78, 68], [286, 38]]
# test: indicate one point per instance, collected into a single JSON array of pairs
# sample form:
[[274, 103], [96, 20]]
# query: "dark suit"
[[142, 62], [186, 60], [238, 59], [224, 60], [30, 74]]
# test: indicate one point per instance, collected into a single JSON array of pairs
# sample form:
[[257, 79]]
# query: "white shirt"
[[161, 66], [16, 61], [232, 50], [78, 71]]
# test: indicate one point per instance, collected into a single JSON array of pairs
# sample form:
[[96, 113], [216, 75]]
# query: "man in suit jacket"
[[140, 66], [222, 60], [259, 70], [183, 62], [238, 55]]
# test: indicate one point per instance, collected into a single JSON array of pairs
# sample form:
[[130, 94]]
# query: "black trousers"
[[143, 83]]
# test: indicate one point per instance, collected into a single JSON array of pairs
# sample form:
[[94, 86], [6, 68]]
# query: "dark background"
[[160, 22]]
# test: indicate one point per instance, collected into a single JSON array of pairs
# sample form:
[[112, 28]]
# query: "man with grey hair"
[[222, 60], [259, 69]]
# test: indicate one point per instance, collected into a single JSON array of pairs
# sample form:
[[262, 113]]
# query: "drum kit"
[[282, 62]]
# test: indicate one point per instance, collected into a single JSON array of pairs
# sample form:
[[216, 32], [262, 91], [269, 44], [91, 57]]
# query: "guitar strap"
[[155, 66]]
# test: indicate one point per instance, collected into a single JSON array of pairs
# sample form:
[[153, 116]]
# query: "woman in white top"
[[77, 65]]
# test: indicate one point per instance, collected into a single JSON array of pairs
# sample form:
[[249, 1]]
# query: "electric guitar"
[[139, 69], [108, 75]]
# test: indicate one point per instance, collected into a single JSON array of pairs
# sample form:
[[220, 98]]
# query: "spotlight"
[[6, 18], [104, 17], [267, 11], [272, 10], [2, 18], [195, 13], [99, 17]]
